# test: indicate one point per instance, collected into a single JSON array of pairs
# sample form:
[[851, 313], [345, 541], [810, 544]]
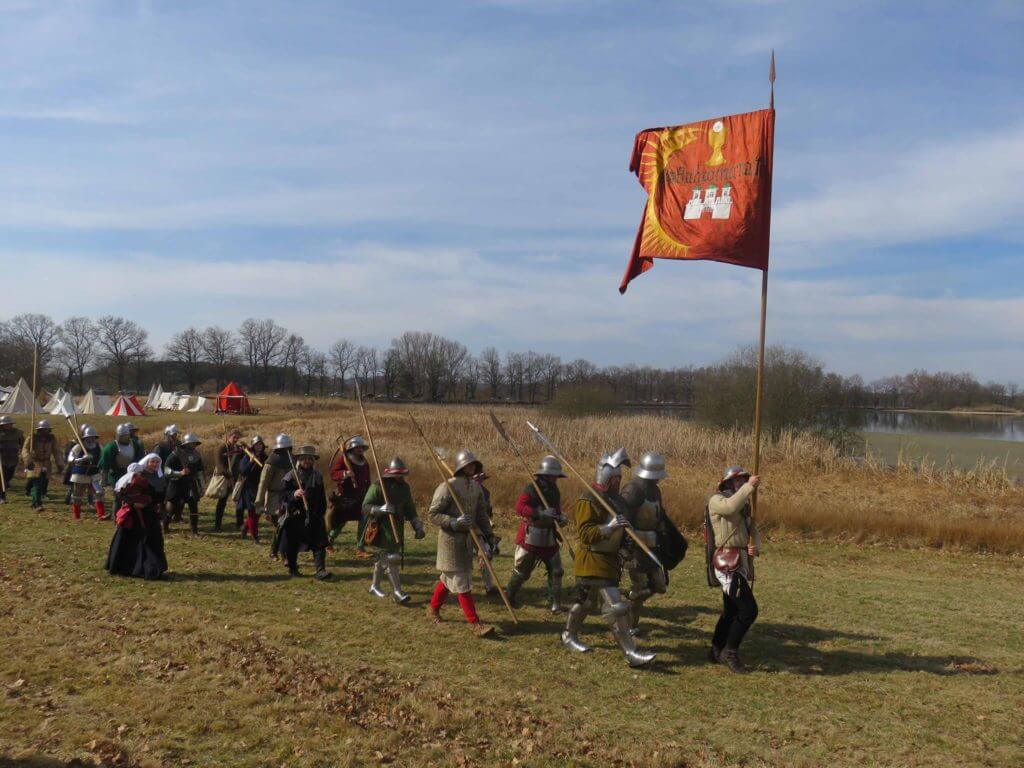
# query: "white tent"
[[93, 403], [203, 405], [54, 399], [166, 401], [4, 392], [20, 400], [182, 403], [65, 406], [155, 390]]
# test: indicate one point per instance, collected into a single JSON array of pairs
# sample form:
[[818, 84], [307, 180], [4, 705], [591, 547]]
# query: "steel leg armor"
[[394, 576], [379, 569], [617, 615]]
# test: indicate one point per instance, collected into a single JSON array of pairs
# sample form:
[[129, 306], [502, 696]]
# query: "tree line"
[[115, 353]]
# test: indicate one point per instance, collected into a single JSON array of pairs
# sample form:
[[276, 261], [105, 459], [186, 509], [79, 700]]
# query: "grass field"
[[863, 656], [870, 649]]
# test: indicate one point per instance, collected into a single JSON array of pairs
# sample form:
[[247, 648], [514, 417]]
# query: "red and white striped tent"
[[126, 405]]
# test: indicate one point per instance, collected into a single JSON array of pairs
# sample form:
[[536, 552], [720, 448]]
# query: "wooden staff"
[[597, 494], [376, 465], [533, 480], [252, 455], [447, 476], [298, 481], [35, 383]]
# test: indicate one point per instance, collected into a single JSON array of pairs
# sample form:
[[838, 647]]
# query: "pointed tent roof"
[[233, 400], [20, 400], [65, 406], [154, 390], [54, 399], [135, 401], [93, 403], [125, 406]]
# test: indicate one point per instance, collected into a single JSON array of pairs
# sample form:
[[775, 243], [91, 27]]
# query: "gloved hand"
[[418, 527], [462, 523], [382, 510], [563, 519], [613, 525], [549, 513]]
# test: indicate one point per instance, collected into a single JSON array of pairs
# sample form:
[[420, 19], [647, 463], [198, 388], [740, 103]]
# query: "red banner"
[[709, 192]]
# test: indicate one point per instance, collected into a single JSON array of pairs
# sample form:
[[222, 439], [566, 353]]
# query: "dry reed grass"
[[810, 488]]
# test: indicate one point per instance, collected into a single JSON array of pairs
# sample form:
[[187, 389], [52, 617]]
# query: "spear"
[[533, 481], [252, 455], [597, 494], [447, 476], [298, 482], [376, 464]]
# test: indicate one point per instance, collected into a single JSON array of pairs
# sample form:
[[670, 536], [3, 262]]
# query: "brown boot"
[[482, 630], [731, 659], [434, 614]]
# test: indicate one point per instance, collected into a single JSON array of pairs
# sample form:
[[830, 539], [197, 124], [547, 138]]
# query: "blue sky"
[[361, 169]]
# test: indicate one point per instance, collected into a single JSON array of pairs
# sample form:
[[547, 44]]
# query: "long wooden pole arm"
[[447, 476], [376, 464], [597, 495]]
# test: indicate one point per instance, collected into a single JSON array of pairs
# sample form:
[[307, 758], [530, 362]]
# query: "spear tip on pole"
[[771, 80]]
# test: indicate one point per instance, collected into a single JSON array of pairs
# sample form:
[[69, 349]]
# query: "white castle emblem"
[[720, 205]]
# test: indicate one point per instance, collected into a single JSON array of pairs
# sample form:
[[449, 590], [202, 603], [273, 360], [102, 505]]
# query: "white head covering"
[[137, 468]]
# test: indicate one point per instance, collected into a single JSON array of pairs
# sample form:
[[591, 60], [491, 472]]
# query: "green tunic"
[[400, 496]]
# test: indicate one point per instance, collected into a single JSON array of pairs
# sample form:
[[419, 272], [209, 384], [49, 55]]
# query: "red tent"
[[233, 400], [126, 405]]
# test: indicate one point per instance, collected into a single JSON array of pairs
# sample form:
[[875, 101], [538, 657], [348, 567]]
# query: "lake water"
[[961, 425]]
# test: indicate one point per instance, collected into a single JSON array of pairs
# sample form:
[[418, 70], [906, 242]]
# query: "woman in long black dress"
[[137, 548]]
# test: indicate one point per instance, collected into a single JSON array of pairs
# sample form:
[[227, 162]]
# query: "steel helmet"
[[131, 427], [396, 468], [123, 430], [610, 465], [730, 473], [550, 467], [44, 424], [652, 467], [89, 432], [171, 430], [191, 439], [355, 442], [464, 458], [282, 441], [256, 440], [5, 420]]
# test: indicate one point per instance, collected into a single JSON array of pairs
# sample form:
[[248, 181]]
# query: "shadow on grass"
[[211, 577]]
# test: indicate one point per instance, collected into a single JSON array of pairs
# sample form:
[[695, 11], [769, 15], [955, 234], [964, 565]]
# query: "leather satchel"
[[727, 559]]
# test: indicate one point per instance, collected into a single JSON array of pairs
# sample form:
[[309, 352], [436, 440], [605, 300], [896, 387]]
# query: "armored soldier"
[[39, 455], [303, 509], [732, 542], [184, 471], [268, 492], [11, 443], [226, 465], [86, 479], [249, 470], [166, 446], [117, 455], [455, 553], [646, 513], [598, 566], [350, 472], [377, 535], [134, 432], [537, 540]]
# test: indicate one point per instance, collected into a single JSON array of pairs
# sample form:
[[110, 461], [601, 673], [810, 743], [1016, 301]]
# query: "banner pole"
[[759, 396]]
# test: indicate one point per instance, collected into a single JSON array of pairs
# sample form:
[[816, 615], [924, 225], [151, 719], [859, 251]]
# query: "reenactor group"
[[621, 529]]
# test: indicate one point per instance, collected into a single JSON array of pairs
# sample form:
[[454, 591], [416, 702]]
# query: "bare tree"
[[514, 364], [343, 359], [121, 340], [186, 349], [78, 336], [291, 358], [31, 329], [262, 341], [312, 364], [220, 350], [490, 365], [366, 368]]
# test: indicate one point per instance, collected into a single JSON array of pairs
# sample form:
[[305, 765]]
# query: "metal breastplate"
[[125, 455], [608, 546], [540, 537]]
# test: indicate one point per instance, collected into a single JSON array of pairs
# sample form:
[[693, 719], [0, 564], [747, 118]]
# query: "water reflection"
[[900, 423]]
